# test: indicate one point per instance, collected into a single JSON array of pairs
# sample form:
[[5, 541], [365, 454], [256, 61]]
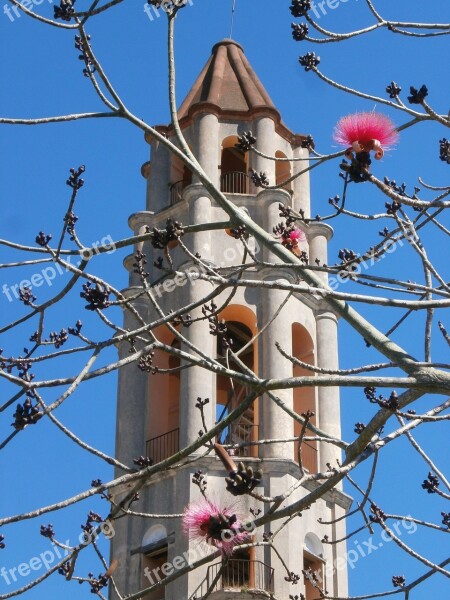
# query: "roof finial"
[[233, 8]]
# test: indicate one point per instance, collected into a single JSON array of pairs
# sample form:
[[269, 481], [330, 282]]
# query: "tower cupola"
[[226, 100]]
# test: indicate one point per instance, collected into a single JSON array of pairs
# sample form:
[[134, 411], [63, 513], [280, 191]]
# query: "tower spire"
[[233, 10]]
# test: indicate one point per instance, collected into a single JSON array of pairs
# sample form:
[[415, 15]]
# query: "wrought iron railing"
[[161, 447], [175, 191], [243, 575], [234, 183], [242, 433]]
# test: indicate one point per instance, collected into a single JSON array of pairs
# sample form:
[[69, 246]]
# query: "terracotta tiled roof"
[[229, 88], [227, 82]]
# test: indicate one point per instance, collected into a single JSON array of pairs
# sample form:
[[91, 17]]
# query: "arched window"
[[155, 557], [304, 397], [163, 409], [313, 566], [233, 168], [229, 396], [282, 170], [153, 535]]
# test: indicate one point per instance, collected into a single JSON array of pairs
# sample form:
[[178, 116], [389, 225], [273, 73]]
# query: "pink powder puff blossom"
[[366, 131], [297, 235], [291, 238], [217, 525]]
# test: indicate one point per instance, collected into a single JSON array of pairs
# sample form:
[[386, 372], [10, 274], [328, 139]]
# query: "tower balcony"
[[162, 446], [240, 437], [241, 441], [235, 182], [236, 578], [176, 191]]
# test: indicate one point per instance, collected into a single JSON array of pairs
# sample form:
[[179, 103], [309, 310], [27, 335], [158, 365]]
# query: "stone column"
[[181, 495], [273, 421], [131, 436], [132, 396], [329, 405], [265, 142], [139, 222], [207, 145], [195, 381], [340, 578], [318, 235], [269, 215], [301, 185], [291, 551], [159, 177]]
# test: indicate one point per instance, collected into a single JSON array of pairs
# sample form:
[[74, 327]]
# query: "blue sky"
[[41, 76]]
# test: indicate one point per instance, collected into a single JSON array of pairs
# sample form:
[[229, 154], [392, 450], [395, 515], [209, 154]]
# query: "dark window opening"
[[283, 171], [313, 577], [154, 562], [233, 178], [229, 396]]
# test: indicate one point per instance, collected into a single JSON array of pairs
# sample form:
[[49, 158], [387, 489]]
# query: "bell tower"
[[156, 413]]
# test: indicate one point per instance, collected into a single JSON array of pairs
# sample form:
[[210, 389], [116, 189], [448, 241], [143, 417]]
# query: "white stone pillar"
[[207, 145], [181, 496], [132, 396], [290, 552], [139, 222], [301, 185], [265, 142], [131, 434], [318, 235], [273, 421], [269, 215], [340, 579], [329, 417], [195, 381], [159, 177]]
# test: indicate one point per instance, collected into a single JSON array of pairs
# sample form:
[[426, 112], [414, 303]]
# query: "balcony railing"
[[234, 183], [161, 447], [242, 433], [176, 191], [242, 575]]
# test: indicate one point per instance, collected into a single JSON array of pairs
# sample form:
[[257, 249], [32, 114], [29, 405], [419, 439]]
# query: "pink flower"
[[218, 526], [297, 235], [290, 238], [366, 131]]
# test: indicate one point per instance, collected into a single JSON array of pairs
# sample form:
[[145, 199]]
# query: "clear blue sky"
[[41, 76]]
